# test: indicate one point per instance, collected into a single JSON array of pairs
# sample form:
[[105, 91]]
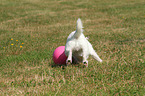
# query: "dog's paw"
[[85, 64], [100, 61], [68, 62]]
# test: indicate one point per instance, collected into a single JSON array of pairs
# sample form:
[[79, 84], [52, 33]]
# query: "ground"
[[30, 30]]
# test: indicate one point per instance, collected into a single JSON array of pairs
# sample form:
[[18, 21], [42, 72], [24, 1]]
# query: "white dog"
[[78, 47]]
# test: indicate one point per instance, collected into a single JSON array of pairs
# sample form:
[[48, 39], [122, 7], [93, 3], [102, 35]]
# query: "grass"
[[30, 30]]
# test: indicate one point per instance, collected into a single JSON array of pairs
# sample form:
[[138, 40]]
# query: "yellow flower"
[[12, 44], [21, 46], [22, 43], [4, 47], [16, 40], [11, 38]]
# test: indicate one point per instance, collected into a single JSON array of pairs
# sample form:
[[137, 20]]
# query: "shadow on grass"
[[63, 66]]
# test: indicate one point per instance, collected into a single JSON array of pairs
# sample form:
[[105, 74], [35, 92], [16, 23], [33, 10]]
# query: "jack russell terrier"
[[78, 47]]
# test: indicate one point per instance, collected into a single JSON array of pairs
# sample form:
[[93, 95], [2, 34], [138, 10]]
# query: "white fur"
[[78, 47]]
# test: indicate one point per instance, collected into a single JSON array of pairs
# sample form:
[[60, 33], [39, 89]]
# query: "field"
[[30, 30]]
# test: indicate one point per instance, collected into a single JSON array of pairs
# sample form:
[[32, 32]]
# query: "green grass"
[[30, 30]]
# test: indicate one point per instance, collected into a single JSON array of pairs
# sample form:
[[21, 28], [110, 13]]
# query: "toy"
[[59, 56]]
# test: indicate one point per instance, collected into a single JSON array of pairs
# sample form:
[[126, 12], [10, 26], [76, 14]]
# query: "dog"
[[78, 48]]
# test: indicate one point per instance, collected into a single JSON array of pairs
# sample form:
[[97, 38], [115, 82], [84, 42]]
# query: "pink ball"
[[59, 56]]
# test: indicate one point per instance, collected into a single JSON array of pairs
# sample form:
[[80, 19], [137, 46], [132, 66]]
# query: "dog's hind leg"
[[85, 62], [95, 56], [69, 59]]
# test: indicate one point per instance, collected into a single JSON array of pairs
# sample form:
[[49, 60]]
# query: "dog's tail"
[[79, 28]]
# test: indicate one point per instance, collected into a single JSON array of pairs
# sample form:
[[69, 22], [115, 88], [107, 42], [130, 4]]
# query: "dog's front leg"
[[69, 59]]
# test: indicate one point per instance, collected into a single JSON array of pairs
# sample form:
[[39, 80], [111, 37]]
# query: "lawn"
[[30, 30]]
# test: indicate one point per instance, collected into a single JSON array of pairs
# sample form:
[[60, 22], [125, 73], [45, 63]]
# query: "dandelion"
[[21, 46], [4, 47], [12, 44], [11, 38], [16, 40], [22, 43]]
